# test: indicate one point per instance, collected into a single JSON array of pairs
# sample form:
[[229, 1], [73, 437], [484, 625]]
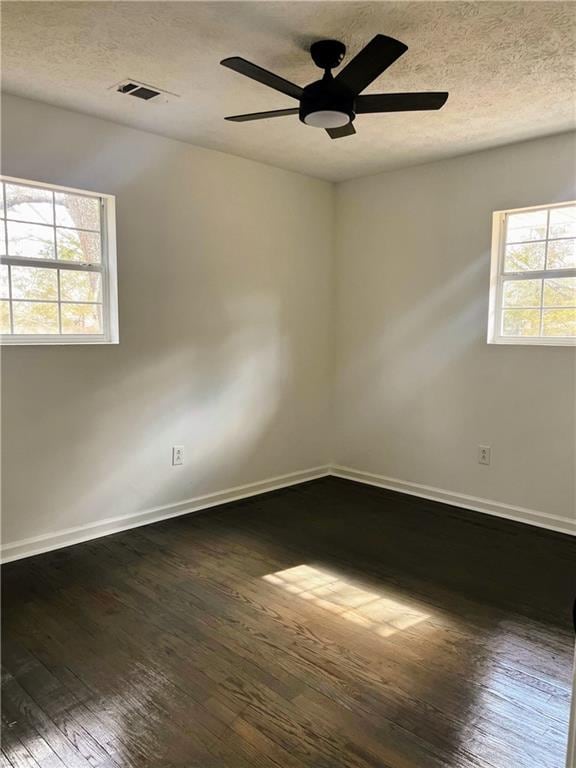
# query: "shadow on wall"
[[204, 361], [218, 398], [415, 350]]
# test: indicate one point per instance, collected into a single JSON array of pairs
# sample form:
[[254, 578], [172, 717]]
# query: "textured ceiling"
[[509, 68]]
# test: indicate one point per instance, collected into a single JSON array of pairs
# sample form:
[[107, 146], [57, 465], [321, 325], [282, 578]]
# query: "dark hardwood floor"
[[326, 625]]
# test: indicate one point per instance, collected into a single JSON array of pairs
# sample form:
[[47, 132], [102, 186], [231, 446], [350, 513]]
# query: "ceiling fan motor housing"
[[326, 95], [327, 54]]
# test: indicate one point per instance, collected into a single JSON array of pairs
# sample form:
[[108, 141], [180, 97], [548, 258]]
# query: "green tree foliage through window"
[[536, 279], [51, 276]]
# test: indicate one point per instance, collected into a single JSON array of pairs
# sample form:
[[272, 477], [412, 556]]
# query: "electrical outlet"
[[177, 455], [483, 454]]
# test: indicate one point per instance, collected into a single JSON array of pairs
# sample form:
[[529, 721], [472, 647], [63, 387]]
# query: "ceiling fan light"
[[327, 118]]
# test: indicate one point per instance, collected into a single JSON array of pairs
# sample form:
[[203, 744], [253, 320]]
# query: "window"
[[57, 265], [533, 278]]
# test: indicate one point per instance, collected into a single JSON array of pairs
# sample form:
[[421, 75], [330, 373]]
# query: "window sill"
[[46, 341], [533, 342]]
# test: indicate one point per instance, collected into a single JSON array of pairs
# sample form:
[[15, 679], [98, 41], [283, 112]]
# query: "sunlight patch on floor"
[[382, 615]]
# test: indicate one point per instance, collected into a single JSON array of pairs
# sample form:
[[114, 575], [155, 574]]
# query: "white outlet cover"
[[177, 455], [483, 454]]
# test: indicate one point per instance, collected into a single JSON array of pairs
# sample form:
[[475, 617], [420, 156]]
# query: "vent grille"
[[138, 91], [142, 91], [126, 87]]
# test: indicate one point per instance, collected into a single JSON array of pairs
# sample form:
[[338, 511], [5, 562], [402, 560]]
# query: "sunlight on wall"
[[454, 315], [382, 615], [216, 397]]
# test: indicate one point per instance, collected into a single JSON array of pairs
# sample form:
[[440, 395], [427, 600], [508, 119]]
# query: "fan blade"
[[255, 72], [262, 115], [338, 133], [372, 60], [400, 102]]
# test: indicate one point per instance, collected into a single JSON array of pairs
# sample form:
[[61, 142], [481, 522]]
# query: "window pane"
[[561, 254], [80, 286], [81, 318], [525, 256], [52, 265], [4, 317], [34, 283], [559, 322], [29, 204], [530, 225], [522, 293], [35, 317], [78, 246], [32, 240], [563, 222], [560, 292], [4, 294], [77, 211], [521, 322]]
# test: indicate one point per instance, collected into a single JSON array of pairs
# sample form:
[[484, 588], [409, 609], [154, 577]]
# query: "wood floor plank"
[[330, 625]]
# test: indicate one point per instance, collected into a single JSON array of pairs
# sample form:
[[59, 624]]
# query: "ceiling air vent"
[[138, 91], [142, 91]]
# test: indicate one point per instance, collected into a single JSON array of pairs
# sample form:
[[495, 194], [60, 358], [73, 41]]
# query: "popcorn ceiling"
[[510, 68]]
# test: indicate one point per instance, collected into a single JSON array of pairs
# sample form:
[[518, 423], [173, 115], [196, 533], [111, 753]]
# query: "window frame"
[[498, 276], [107, 269]]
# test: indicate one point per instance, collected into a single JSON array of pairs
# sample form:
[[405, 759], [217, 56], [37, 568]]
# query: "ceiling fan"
[[333, 102]]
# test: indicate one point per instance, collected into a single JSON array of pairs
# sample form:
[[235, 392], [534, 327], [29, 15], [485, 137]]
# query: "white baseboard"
[[65, 538], [475, 503]]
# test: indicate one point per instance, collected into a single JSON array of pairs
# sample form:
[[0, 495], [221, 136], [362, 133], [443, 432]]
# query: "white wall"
[[227, 277], [417, 386], [225, 345]]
